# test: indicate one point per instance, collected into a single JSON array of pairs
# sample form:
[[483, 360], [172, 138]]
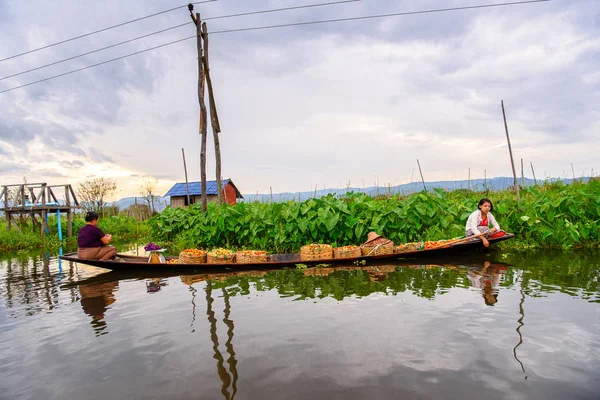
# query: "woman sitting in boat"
[[92, 242], [479, 222]]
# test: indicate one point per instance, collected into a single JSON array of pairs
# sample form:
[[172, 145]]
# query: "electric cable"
[[102, 30], [171, 28], [281, 26]]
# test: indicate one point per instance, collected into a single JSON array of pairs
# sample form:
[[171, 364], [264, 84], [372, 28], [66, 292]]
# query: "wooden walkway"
[[33, 200]]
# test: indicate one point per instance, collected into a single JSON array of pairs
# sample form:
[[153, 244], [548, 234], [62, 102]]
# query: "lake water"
[[501, 326]]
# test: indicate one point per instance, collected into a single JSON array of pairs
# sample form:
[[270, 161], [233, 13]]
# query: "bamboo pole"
[[187, 189], [469, 179], [512, 161], [214, 119], [573, 170], [485, 179], [421, 172], [533, 172], [135, 219], [522, 174]]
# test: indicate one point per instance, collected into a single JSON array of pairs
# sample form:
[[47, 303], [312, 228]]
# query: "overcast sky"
[[329, 105]]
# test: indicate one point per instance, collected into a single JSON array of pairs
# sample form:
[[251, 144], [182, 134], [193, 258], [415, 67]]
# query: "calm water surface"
[[502, 326]]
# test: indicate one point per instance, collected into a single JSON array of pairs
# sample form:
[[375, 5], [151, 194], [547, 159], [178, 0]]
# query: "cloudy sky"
[[354, 102]]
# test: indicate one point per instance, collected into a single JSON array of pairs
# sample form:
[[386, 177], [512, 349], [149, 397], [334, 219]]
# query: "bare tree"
[[148, 191], [93, 193]]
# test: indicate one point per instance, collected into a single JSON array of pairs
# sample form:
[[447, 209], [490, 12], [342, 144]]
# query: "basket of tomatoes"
[[346, 252], [250, 256], [220, 256], [192, 256], [316, 251]]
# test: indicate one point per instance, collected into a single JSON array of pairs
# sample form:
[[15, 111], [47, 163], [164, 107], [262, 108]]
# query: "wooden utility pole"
[[214, 118], [187, 189], [421, 172], [203, 113], [512, 161]]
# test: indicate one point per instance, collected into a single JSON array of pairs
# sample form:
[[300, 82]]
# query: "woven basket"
[[346, 252], [377, 247], [245, 258], [408, 247], [316, 252], [190, 259], [212, 257]]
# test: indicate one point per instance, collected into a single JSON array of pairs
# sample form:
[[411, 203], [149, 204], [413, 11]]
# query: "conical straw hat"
[[372, 236]]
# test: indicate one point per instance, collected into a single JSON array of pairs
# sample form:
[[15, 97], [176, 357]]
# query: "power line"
[[98, 64], [281, 26], [280, 9], [94, 51], [175, 27], [102, 30], [383, 16]]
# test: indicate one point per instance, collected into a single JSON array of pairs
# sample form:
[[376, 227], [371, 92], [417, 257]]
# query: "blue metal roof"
[[195, 189]]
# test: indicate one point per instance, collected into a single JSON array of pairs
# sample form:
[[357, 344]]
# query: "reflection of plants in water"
[[574, 273], [424, 281], [568, 273]]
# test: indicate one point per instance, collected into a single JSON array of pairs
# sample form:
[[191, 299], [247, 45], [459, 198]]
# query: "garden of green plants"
[[552, 215]]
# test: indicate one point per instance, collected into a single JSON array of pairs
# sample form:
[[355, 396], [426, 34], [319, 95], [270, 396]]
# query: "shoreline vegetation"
[[551, 215]]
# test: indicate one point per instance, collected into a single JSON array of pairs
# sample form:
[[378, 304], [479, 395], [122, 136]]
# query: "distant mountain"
[[493, 184], [160, 203]]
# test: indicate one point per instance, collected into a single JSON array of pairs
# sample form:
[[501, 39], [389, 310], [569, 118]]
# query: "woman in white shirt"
[[479, 221]]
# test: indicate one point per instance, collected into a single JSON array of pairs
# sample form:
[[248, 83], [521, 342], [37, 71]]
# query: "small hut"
[[178, 193]]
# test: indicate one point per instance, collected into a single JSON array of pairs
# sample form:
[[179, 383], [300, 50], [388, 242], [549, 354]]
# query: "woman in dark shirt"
[[92, 242]]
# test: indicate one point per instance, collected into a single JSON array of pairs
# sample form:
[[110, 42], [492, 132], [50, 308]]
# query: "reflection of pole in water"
[[520, 321], [193, 290], [223, 374], [229, 345]]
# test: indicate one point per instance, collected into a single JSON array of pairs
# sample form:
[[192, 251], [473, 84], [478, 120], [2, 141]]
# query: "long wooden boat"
[[125, 261]]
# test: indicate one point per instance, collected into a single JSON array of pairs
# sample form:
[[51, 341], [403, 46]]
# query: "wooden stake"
[[573, 170], [485, 179], [135, 219], [522, 174], [421, 172], [214, 119], [512, 161], [469, 178], [271, 191], [533, 172], [187, 189]]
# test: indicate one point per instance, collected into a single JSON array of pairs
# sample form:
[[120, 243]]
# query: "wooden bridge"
[[37, 199]]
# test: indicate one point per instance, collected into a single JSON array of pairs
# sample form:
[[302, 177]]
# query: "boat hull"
[[280, 260]]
